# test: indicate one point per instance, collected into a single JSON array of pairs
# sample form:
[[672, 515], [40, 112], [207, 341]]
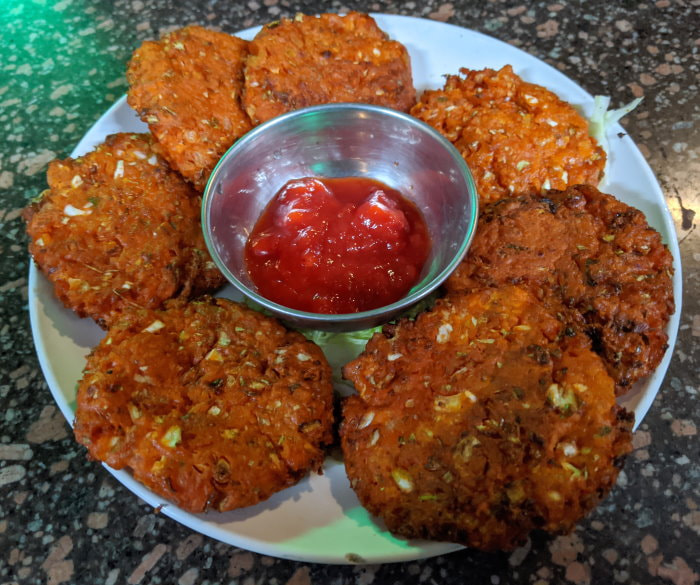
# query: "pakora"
[[119, 228], [328, 58], [187, 88], [208, 403], [481, 421], [516, 137]]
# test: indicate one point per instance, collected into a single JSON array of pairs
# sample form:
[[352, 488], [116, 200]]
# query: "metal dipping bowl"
[[341, 140]]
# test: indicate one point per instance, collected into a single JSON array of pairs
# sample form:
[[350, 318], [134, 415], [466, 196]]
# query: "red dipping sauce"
[[337, 246]]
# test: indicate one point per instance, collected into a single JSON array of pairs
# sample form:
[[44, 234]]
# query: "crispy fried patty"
[[118, 228], [210, 404], [187, 88], [480, 422], [517, 137], [315, 60], [592, 254]]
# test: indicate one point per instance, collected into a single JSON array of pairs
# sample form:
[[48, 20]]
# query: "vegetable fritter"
[[208, 403], [187, 88], [481, 421], [119, 228], [517, 138], [591, 253], [315, 60]]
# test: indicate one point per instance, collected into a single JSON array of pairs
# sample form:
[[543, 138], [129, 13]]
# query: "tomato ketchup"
[[339, 245]]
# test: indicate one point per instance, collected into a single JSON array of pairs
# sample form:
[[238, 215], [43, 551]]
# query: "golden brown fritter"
[[517, 138], [187, 88], [208, 403], [118, 228], [480, 422], [591, 253], [315, 60]]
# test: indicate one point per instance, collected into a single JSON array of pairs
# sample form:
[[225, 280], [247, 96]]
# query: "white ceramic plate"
[[320, 519]]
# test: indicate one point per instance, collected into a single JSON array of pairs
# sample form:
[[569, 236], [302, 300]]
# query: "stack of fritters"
[[210, 404], [118, 228], [495, 413], [194, 86], [481, 421], [588, 255]]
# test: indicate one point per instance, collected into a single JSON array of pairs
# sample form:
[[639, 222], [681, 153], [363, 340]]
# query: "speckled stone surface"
[[64, 519]]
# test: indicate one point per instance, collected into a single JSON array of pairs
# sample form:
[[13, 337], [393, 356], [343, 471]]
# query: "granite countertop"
[[64, 519]]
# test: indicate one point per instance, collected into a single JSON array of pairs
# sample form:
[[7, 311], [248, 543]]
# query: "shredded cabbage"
[[257, 307], [421, 306], [602, 119], [341, 348]]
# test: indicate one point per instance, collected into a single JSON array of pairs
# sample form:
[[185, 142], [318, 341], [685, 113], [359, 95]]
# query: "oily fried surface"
[[210, 404], [517, 137], [480, 422], [187, 88], [591, 253], [118, 228], [315, 60]]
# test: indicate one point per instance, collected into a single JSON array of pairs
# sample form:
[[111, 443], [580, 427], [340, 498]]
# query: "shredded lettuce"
[[353, 339], [256, 307], [420, 307], [341, 348], [602, 119]]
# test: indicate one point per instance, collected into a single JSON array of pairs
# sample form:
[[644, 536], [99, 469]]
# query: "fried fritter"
[[208, 403], [517, 138], [480, 422], [591, 253], [187, 88], [315, 60], [119, 228]]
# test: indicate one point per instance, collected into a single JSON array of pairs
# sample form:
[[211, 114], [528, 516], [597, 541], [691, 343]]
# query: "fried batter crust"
[[118, 228], [208, 403], [517, 138], [187, 88], [591, 253], [315, 60], [480, 422]]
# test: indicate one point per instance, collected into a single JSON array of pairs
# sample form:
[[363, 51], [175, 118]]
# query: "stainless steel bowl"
[[341, 140]]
